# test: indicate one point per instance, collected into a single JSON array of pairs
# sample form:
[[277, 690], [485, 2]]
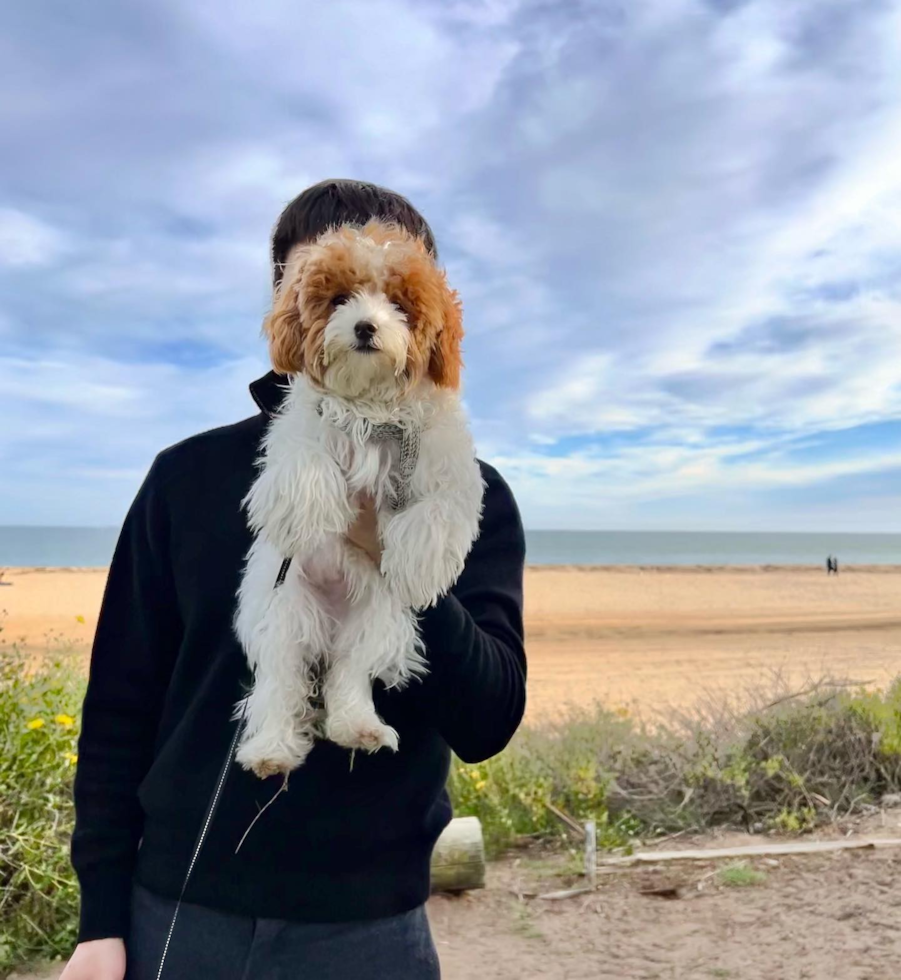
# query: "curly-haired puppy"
[[369, 332]]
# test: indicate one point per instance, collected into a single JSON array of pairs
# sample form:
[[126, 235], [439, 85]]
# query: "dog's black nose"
[[364, 330]]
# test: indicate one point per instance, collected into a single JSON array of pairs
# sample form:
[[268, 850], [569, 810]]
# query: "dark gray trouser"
[[211, 945]]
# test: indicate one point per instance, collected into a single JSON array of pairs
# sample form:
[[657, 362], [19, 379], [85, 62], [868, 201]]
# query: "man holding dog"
[[332, 884]]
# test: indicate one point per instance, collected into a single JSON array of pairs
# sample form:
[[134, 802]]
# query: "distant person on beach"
[[332, 885]]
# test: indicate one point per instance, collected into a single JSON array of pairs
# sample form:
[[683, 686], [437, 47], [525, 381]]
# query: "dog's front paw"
[[296, 509], [265, 757], [364, 732], [417, 562]]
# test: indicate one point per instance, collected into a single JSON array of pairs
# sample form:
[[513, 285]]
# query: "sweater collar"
[[269, 391]]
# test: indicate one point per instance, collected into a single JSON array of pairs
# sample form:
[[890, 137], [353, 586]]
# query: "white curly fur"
[[337, 616]]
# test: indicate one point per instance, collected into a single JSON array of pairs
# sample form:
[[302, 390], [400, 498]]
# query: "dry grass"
[[779, 760]]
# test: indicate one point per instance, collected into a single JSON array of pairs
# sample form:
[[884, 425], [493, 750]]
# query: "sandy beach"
[[645, 638], [652, 638]]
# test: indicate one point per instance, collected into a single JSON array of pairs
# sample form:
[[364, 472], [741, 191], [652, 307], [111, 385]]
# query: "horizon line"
[[528, 530]]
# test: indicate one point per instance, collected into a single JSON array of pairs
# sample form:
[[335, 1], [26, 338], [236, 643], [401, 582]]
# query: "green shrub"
[[789, 764], [558, 765], [802, 762], [39, 705]]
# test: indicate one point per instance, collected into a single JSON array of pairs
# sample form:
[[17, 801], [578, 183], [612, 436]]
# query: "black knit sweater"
[[344, 842]]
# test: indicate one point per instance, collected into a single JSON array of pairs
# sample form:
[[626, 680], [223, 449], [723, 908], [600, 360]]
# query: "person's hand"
[[100, 959], [364, 532]]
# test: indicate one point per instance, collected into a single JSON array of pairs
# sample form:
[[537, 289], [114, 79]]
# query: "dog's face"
[[366, 313]]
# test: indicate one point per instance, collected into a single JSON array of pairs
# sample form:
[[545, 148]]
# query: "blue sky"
[[675, 226]]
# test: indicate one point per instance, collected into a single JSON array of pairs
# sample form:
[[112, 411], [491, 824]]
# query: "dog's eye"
[[340, 299], [401, 308]]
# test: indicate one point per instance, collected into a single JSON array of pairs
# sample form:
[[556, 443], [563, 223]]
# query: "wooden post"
[[591, 854], [458, 861], [590, 832]]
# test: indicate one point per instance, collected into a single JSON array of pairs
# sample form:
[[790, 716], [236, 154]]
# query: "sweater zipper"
[[201, 837], [211, 806]]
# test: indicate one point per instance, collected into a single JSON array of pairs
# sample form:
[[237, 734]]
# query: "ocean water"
[[56, 547], [709, 548], [86, 547]]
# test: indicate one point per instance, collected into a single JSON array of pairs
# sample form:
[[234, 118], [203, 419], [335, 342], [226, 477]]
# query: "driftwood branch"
[[751, 850], [611, 865], [566, 820], [567, 893], [813, 688]]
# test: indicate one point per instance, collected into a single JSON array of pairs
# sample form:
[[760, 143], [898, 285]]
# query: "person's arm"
[[137, 639], [476, 685]]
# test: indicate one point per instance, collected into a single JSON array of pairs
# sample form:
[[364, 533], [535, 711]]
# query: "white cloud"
[[649, 487], [90, 427], [27, 241], [665, 219]]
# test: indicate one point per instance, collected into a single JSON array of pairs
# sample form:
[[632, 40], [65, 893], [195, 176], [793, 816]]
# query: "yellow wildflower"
[[71, 757], [67, 721], [35, 723], [481, 784]]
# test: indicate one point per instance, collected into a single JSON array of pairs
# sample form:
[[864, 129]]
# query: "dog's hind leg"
[[350, 716], [282, 631], [372, 635]]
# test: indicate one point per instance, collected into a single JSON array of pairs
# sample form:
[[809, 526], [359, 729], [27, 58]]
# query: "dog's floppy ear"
[[283, 327], [445, 361]]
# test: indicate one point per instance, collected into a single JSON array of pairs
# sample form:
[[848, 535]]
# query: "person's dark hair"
[[338, 202]]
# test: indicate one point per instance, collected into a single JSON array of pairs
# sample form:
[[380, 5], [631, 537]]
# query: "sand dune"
[[642, 637]]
